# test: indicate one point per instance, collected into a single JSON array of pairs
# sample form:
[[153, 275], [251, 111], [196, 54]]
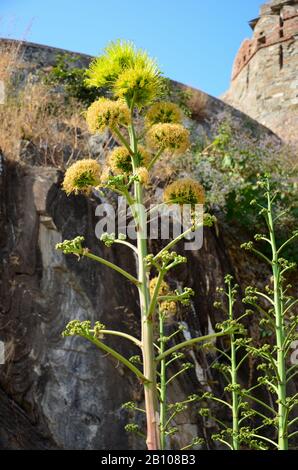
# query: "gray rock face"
[[63, 393], [66, 388]]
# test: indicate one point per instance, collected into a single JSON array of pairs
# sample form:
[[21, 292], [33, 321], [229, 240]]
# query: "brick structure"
[[265, 73]]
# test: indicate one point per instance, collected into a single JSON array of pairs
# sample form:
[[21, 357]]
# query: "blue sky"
[[195, 41]]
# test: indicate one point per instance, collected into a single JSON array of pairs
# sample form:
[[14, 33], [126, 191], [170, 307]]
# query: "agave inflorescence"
[[184, 191], [82, 176], [135, 82]]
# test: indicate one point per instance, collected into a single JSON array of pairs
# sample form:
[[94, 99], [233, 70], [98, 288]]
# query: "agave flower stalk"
[[126, 173], [163, 385], [280, 328], [168, 411], [278, 318], [235, 403], [234, 378], [147, 337]]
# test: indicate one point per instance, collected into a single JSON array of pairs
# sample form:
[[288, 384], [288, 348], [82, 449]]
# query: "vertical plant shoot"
[[134, 84], [276, 306]]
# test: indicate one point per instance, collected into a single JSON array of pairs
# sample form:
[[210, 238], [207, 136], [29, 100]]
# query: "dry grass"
[[54, 128], [10, 58], [197, 104], [37, 123]]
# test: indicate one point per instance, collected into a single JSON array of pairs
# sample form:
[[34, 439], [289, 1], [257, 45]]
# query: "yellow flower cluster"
[[163, 112], [166, 307], [184, 191], [164, 288], [138, 85], [168, 136], [119, 159], [143, 175], [105, 113], [82, 176], [129, 72], [117, 56], [106, 173]]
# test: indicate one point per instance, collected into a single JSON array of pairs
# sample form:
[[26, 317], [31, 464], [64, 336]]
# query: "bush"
[[72, 79]]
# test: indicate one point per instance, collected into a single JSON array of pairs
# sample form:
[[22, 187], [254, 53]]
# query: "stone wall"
[[264, 78], [36, 55]]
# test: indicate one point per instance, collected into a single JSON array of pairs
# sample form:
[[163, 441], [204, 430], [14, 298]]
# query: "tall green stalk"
[[135, 83], [279, 319], [229, 368], [147, 339], [163, 385], [280, 332], [233, 371]]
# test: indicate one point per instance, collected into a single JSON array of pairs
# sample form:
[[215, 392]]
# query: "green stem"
[[289, 336], [149, 367], [190, 342], [175, 376], [123, 140], [261, 255], [171, 417], [291, 368], [189, 446], [292, 375], [153, 301], [287, 242], [255, 411], [265, 439], [123, 242], [226, 443], [119, 357], [280, 334], [112, 266], [258, 401], [173, 242], [265, 296], [234, 381], [293, 421], [122, 335], [163, 386], [281, 214], [221, 353], [291, 306], [155, 158], [241, 361], [174, 334], [223, 402]]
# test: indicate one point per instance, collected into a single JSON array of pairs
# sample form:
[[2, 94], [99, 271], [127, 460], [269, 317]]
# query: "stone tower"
[[265, 73]]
